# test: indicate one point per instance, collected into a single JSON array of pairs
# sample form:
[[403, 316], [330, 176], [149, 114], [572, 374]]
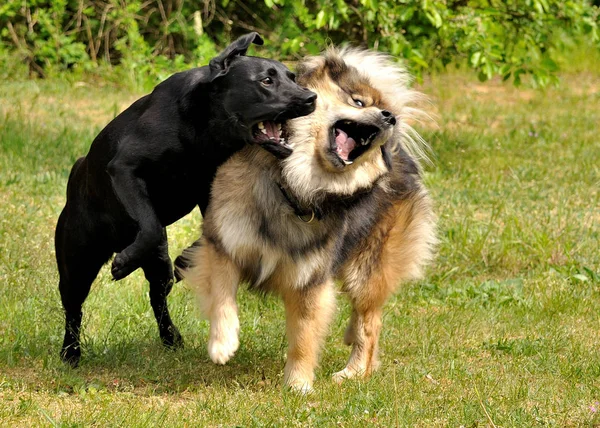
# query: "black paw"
[[71, 355], [122, 266], [171, 338]]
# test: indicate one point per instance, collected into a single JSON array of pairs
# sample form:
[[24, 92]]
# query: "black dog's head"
[[258, 95]]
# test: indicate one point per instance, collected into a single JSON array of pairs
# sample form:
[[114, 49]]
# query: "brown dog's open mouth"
[[351, 139]]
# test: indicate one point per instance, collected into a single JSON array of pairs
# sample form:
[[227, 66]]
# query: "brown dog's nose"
[[388, 117]]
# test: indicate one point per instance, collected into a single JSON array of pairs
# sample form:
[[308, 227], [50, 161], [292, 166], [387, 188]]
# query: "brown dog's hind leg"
[[308, 312], [363, 331], [396, 250]]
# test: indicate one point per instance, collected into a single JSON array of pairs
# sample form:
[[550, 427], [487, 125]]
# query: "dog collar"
[[307, 216]]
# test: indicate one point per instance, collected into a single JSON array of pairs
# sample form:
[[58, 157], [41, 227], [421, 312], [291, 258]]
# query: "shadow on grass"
[[145, 367]]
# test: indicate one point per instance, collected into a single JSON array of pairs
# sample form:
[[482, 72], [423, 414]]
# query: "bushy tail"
[[184, 260]]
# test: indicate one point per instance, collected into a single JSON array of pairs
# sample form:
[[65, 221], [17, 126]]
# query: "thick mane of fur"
[[307, 179]]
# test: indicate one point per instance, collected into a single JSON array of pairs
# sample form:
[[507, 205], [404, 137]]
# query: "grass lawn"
[[504, 330]]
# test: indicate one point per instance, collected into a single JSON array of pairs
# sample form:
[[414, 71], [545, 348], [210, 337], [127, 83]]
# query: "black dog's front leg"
[[133, 195]]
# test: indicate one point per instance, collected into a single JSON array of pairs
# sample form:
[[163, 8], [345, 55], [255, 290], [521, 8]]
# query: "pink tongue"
[[272, 131], [344, 143]]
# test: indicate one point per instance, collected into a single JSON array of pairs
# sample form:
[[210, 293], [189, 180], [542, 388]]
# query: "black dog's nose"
[[310, 99], [388, 117]]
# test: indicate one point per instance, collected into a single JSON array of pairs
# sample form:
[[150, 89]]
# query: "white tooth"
[[279, 126], [347, 162], [261, 125], [263, 130]]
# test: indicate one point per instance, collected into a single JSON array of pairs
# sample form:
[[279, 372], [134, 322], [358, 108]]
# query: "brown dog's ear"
[[219, 65]]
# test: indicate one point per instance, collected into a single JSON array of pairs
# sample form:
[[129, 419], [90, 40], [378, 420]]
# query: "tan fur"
[[308, 313], [252, 233], [216, 279]]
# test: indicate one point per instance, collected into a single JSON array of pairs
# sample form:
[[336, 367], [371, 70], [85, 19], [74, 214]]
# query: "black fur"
[[296, 250], [152, 165]]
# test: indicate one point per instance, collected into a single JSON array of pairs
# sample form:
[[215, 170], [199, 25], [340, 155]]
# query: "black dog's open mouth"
[[272, 137], [270, 132], [351, 139]]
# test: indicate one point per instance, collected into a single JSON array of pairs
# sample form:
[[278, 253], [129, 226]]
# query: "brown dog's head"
[[362, 103], [353, 116]]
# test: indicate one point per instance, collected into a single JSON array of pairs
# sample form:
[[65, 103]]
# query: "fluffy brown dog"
[[348, 204]]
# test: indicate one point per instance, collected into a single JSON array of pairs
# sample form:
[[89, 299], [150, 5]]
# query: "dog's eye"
[[358, 102], [267, 81]]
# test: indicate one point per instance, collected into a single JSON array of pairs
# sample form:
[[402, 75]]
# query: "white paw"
[[347, 373], [300, 386], [221, 351], [223, 341]]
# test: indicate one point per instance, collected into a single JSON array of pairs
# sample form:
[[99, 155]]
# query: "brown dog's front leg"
[[308, 313]]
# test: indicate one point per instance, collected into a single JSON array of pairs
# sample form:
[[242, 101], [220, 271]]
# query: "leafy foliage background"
[[150, 39]]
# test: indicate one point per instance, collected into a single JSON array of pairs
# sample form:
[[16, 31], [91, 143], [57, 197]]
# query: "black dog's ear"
[[219, 65]]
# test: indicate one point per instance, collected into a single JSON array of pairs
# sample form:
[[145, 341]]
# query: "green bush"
[[508, 38], [153, 38]]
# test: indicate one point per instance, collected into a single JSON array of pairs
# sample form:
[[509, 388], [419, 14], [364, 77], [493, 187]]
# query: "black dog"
[[154, 163]]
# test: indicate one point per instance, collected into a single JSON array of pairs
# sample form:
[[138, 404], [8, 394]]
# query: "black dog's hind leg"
[[79, 259], [158, 270]]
